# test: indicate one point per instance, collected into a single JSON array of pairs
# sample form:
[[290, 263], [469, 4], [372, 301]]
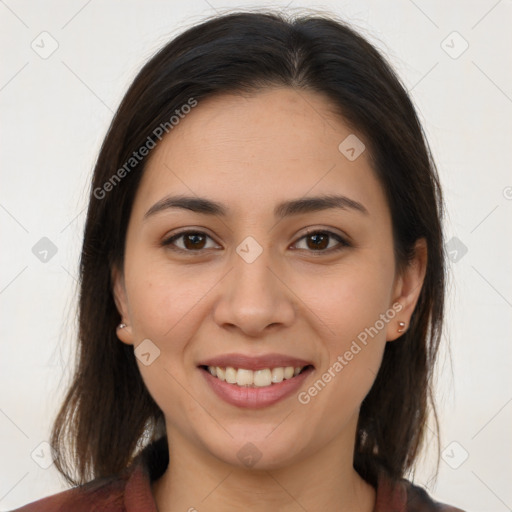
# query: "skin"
[[250, 153]]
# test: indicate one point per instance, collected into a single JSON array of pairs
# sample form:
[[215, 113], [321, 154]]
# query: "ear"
[[119, 292], [407, 290]]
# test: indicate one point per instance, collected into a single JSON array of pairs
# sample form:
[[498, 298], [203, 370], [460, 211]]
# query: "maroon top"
[[131, 491]]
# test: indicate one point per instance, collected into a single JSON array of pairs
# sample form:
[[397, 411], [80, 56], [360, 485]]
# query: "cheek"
[[352, 306], [166, 309], [353, 349], [349, 298], [163, 299]]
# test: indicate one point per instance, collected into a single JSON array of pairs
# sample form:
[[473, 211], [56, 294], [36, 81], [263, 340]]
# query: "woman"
[[262, 282]]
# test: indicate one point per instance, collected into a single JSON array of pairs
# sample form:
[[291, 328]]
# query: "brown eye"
[[194, 241], [191, 241], [319, 241]]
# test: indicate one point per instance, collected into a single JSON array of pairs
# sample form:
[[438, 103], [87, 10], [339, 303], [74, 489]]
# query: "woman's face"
[[249, 288]]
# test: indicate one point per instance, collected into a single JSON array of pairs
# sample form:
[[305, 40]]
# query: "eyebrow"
[[284, 209]]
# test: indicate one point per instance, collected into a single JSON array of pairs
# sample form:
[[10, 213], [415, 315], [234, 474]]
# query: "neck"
[[325, 481]]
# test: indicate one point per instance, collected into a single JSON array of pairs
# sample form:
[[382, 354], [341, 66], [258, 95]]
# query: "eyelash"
[[169, 242]]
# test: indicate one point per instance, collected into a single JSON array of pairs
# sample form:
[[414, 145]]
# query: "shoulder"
[[418, 500], [100, 494], [404, 496], [130, 491]]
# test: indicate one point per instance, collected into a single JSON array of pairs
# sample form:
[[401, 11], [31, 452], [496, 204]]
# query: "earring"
[[121, 326], [401, 326]]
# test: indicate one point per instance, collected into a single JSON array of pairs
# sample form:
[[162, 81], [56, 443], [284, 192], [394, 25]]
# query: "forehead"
[[251, 151]]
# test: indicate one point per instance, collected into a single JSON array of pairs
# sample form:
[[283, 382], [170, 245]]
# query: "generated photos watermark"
[[304, 397], [143, 151]]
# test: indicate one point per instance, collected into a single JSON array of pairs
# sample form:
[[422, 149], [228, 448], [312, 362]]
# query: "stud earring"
[[121, 326], [401, 326]]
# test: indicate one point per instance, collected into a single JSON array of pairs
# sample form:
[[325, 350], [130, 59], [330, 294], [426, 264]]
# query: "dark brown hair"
[[108, 415]]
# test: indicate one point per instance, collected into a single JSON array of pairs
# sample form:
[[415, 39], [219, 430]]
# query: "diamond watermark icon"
[[45, 45], [454, 455], [454, 45], [44, 250], [146, 352], [456, 249], [249, 455], [351, 147], [43, 455], [249, 249]]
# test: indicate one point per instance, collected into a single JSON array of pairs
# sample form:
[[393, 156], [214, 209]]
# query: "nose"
[[254, 297]]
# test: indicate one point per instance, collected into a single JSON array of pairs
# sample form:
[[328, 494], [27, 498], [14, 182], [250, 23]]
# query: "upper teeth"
[[258, 378]]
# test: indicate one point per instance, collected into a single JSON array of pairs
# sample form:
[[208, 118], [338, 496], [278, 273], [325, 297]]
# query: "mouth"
[[254, 382], [262, 378]]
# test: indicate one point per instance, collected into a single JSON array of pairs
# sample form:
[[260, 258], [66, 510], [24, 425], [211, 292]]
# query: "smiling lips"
[[254, 382]]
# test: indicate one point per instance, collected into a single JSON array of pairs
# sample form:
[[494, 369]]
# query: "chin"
[[256, 449]]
